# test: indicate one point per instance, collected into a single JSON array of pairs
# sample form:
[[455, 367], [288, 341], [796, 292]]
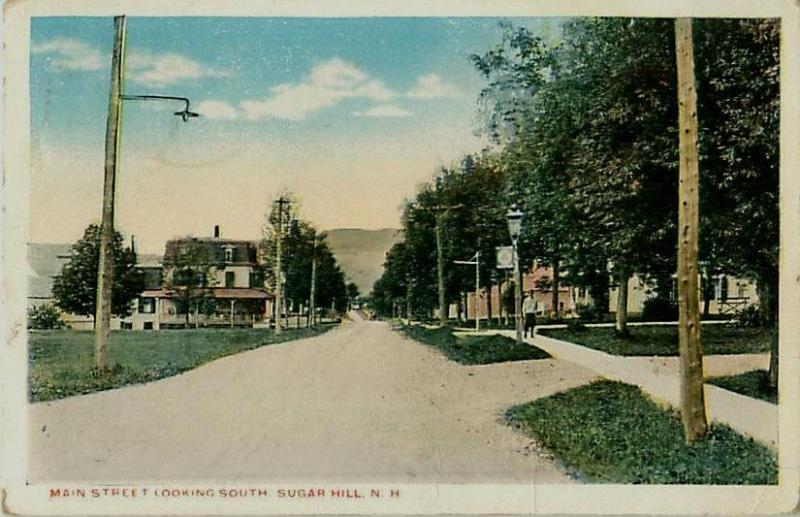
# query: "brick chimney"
[[216, 231]]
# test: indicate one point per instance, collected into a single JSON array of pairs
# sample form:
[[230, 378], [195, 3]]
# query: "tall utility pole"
[[443, 312], [281, 201], [105, 270], [312, 307], [441, 212], [693, 411], [409, 291]]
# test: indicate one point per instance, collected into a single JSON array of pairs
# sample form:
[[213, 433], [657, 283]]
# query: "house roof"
[[213, 249]]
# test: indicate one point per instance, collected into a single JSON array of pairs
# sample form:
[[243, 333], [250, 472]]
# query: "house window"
[[148, 325], [229, 253], [230, 278], [147, 305]]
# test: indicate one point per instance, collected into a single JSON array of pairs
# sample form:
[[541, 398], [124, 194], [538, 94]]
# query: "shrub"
[[44, 317], [576, 326], [587, 311], [749, 317], [659, 309]]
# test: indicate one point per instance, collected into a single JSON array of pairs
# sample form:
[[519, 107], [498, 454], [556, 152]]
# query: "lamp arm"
[[156, 98]]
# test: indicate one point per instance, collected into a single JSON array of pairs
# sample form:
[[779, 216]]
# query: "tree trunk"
[[443, 309], [693, 411], [621, 322], [768, 305], [555, 286], [489, 292]]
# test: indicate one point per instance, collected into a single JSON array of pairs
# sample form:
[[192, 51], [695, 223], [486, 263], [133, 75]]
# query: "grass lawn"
[[662, 340], [474, 349], [610, 432], [753, 384], [61, 361]]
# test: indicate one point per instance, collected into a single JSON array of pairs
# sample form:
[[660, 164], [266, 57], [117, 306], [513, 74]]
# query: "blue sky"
[[350, 114]]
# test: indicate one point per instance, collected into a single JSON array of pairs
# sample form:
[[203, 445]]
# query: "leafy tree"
[[190, 277], [392, 287], [589, 133], [75, 288], [739, 99], [298, 252]]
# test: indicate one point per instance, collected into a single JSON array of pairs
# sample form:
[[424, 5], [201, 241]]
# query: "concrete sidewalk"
[[659, 378]]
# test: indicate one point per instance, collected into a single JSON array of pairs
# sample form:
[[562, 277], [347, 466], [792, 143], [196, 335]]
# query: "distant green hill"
[[361, 253]]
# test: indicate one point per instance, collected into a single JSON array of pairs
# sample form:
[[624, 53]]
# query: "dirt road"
[[360, 403]]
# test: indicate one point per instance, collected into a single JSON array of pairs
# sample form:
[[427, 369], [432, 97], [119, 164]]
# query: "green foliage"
[[44, 317], [750, 317], [469, 200], [478, 349], [189, 276], [662, 340], [61, 362], [75, 288], [576, 326], [738, 67], [589, 130], [299, 252], [753, 384], [657, 308], [352, 290], [588, 311], [611, 432]]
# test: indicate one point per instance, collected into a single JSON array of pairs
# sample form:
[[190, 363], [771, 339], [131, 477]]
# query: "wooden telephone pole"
[[105, 269], [693, 411], [312, 302], [281, 201]]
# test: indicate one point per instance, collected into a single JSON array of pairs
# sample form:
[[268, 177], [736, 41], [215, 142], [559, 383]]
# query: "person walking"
[[529, 311]]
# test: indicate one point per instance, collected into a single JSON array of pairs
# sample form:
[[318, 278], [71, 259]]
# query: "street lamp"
[[184, 114], [514, 220]]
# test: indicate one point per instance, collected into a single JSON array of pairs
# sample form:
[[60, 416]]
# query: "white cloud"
[[384, 110], [432, 86], [70, 54], [218, 110], [326, 84], [164, 69]]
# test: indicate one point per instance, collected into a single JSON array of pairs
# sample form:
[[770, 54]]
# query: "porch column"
[[157, 321], [232, 303]]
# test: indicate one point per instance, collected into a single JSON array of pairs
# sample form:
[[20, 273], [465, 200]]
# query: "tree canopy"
[[75, 288]]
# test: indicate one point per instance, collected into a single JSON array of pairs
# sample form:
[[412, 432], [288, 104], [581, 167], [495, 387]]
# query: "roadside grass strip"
[[754, 383], [61, 361], [663, 340], [610, 432], [479, 349]]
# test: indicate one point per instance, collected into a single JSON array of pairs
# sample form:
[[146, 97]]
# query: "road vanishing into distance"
[[359, 403]]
